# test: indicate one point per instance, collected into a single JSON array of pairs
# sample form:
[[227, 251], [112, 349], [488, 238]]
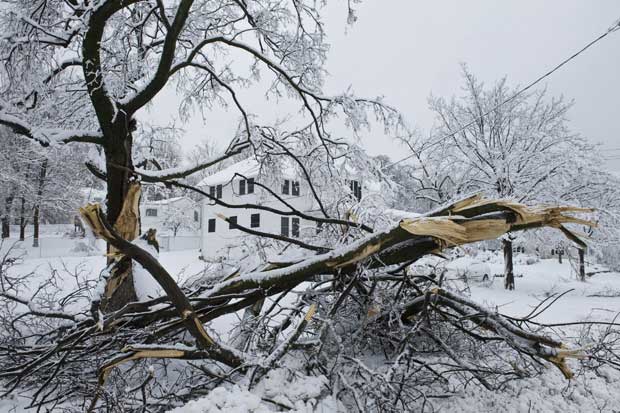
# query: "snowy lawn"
[[589, 300]]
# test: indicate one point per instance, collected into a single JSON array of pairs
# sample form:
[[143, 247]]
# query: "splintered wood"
[[455, 228]]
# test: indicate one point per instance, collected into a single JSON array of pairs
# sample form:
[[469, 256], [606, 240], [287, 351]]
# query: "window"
[[250, 185], [295, 188], [242, 187], [284, 226], [211, 225], [215, 191], [232, 222], [196, 216], [285, 187], [254, 220], [151, 212], [295, 227], [356, 188]]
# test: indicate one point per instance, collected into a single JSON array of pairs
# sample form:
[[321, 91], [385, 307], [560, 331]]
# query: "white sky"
[[406, 49]]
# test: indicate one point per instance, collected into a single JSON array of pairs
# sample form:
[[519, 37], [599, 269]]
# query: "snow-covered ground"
[[598, 298], [589, 300]]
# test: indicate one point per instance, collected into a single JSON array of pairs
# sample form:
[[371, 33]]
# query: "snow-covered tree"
[[80, 71], [498, 142], [175, 218], [39, 183]]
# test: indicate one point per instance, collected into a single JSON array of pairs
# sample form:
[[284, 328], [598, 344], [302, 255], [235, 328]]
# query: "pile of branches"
[[353, 304]]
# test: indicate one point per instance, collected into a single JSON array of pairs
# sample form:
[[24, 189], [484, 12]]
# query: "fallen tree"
[[365, 296]]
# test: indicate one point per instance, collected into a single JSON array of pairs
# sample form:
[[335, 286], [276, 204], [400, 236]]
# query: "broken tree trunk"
[[509, 276], [119, 288]]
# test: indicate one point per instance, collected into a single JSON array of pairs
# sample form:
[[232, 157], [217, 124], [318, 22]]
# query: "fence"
[[169, 243], [83, 247], [54, 247]]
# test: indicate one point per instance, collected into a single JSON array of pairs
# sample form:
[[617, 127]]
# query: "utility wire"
[[613, 28]]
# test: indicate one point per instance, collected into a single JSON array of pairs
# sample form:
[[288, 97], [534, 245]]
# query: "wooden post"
[[582, 265], [509, 277]]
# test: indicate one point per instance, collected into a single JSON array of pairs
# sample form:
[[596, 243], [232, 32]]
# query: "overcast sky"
[[406, 49]]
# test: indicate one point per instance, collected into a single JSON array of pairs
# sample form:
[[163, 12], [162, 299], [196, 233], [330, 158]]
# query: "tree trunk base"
[[509, 277]]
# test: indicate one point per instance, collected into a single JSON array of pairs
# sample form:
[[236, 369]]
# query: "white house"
[[219, 235], [171, 216]]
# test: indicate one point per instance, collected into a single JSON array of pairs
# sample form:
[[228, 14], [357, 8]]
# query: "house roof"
[[248, 167]]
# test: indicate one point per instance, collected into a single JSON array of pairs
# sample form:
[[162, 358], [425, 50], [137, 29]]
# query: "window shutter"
[[295, 188], [251, 186], [295, 227]]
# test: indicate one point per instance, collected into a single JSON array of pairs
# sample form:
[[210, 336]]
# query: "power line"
[[613, 28]]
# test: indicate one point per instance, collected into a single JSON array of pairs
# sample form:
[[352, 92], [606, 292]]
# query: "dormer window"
[[215, 191], [246, 186], [356, 189], [290, 187]]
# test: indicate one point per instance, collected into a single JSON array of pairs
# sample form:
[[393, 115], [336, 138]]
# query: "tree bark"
[[6, 218], [35, 225], [509, 277], [582, 265], [37, 206], [22, 220]]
